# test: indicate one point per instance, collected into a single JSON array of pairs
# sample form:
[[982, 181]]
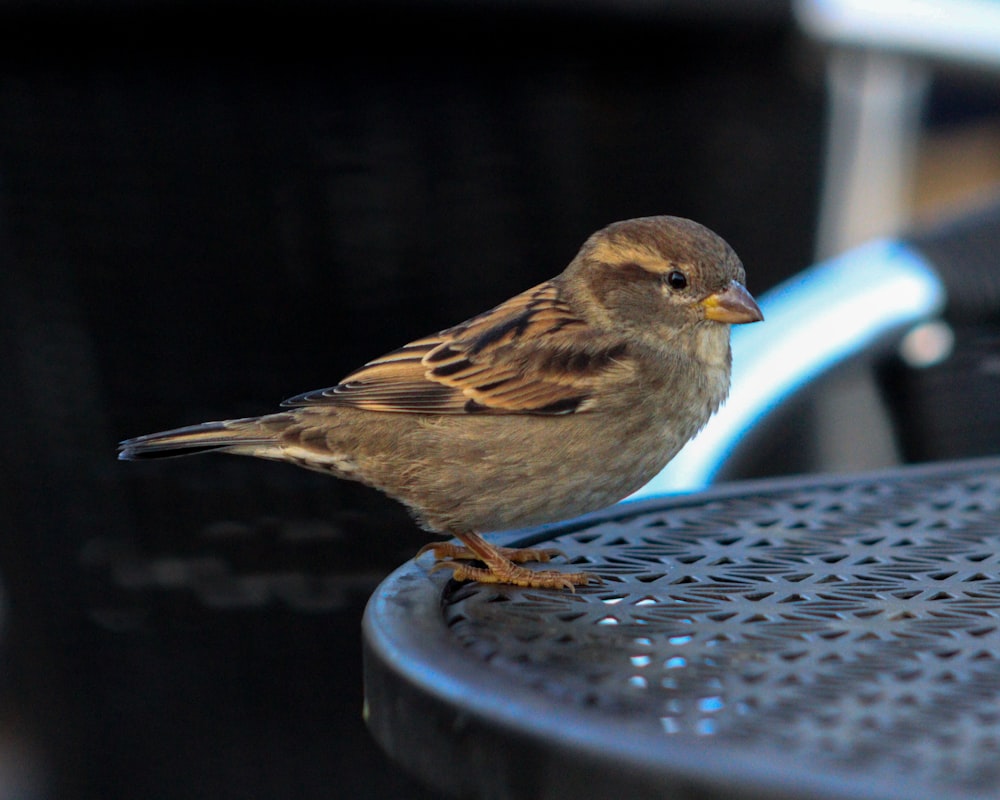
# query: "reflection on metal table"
[[834, 637]]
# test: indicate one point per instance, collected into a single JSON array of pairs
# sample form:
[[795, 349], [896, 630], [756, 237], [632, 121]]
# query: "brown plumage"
[[562, 400]]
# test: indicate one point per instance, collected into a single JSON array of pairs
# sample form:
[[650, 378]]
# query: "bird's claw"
[[502, 564], [518, 576]]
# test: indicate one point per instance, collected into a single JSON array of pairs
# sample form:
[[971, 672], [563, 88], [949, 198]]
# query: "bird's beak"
[[734, 305]]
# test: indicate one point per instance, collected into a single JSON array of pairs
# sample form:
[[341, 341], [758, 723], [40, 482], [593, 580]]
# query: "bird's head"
[[661, 275]]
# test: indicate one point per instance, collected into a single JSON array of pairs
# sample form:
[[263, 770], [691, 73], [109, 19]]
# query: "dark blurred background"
[[205, 208]]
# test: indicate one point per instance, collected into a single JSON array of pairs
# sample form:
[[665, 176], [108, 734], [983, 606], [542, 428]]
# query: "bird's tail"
[[249, 436]]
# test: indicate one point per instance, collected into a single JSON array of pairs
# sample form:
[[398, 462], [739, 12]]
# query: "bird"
[[560, 401]]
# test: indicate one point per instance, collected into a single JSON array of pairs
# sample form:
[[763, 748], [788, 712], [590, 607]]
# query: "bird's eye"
[[677, 280]]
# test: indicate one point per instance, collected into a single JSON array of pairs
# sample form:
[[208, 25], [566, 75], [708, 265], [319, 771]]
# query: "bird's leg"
[[500, 567], [458, 552]]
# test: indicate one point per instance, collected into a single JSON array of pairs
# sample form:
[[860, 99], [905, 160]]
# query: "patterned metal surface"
[[852, 624]]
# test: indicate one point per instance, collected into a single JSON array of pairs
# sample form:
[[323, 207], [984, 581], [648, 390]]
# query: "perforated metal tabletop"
[[830, 638]]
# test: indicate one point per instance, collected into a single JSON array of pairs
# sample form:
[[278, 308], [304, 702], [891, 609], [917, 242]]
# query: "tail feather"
[[224, 435]]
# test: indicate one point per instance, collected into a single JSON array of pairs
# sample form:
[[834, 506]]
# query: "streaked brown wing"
[[530, 355]]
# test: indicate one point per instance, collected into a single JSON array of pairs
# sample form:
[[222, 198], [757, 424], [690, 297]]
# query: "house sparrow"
[[562, 400]]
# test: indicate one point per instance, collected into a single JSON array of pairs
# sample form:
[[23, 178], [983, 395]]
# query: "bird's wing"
[[530, 355]]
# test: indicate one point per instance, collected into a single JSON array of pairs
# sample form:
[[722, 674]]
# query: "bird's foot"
[[501, 564], [514, 575]]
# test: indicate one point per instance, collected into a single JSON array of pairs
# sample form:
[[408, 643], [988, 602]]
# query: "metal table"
[[835, 637]]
